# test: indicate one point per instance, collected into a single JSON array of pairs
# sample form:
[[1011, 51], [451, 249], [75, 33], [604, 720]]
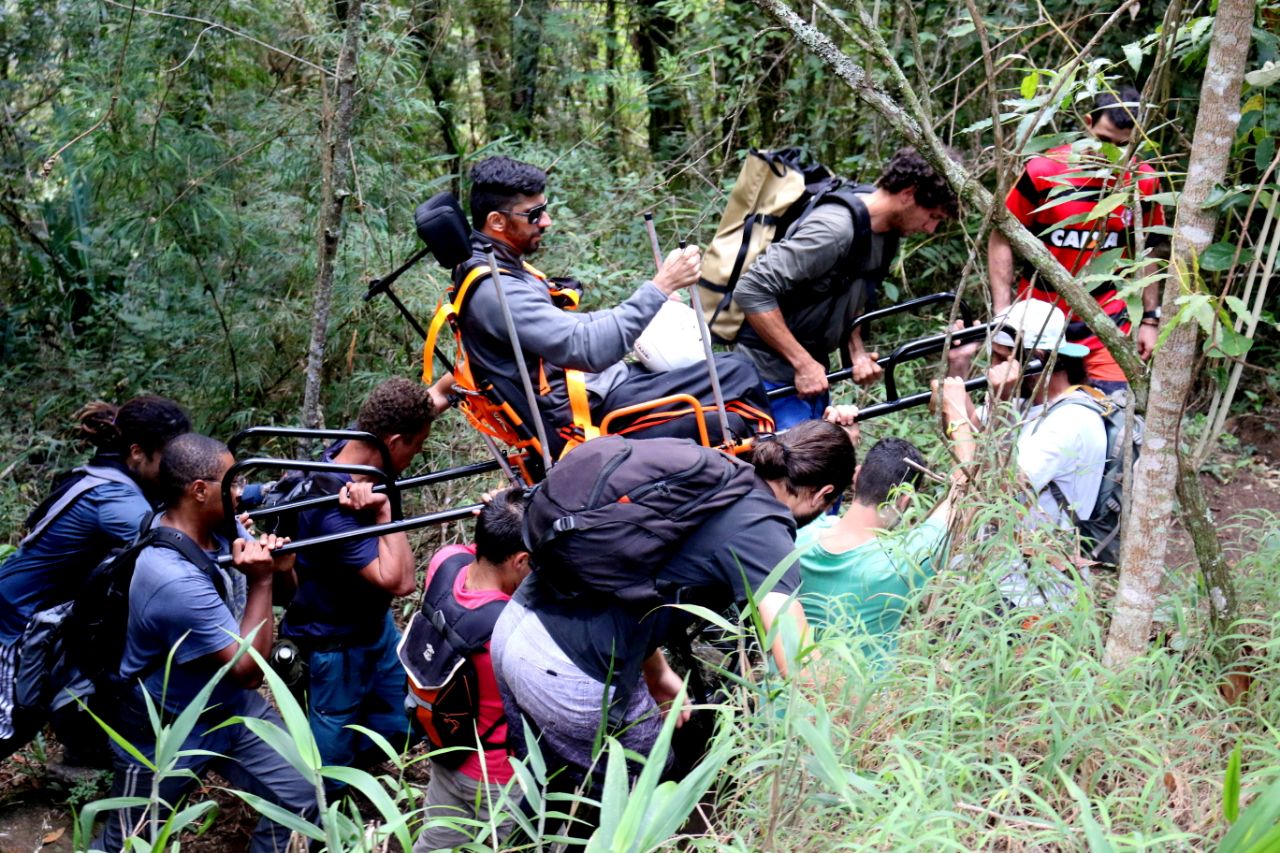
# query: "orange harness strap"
[[582, 427]]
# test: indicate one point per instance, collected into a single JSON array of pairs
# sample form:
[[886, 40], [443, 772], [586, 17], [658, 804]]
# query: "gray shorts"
[[454, 794], [564, 704]]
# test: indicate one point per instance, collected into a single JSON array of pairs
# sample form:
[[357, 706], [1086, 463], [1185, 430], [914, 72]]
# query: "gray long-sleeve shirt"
[[594, 342], [802, 276]]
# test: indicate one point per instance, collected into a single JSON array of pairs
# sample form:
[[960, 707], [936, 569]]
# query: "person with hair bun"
[[559, 661], [92, 509]]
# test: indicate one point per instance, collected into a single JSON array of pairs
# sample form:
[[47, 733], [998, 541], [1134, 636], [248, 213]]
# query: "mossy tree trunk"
[[1160, 471]]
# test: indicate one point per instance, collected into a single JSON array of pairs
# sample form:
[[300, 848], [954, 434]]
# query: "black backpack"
[[291, 488], [611, 514], [94, 635], [436, 652]]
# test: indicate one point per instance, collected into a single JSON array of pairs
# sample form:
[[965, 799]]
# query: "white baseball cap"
[[1041, 325]]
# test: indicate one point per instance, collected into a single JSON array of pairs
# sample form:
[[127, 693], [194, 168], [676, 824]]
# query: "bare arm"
[[811, 376], [959, 365], [794, 632], [255, 560], [863, 363], [439, 393], [393, 568], [663, 683], [1000, 270]]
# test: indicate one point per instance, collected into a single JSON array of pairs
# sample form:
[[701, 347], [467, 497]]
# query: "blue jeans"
[[236, 754], [1109, 386], [357, 685], [791, 410]]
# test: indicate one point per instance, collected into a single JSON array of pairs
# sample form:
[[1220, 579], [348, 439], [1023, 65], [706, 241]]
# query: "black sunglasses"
[[533, 214]]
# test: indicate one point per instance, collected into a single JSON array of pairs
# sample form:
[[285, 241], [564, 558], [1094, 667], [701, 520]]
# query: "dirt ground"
[[1240, 491], [35, 816]]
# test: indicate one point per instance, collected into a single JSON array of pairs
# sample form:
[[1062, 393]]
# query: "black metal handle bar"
[[446, 475], [907, 352], [383, 285], [298, 432], [877, 410], [912, 304], [463, 512], [393, 494], [912, 350], [442, 517], [846, 373]]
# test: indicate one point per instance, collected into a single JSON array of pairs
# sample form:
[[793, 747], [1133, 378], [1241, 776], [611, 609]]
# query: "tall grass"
[[991, 732], [982, 730]]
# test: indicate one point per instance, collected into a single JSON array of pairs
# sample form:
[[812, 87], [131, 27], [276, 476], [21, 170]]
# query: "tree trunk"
[[489, 20], [431, 23], [1159, 471], [334, 189], [655, 30], [614, 134], [771, 95], [526, 43]]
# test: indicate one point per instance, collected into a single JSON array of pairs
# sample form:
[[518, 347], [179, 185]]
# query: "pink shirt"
[[495, 760]]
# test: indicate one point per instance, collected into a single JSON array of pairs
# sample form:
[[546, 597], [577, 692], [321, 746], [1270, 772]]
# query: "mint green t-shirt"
[[866, 588]]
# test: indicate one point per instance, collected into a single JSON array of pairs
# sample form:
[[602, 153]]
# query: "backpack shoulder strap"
[[176, 540], [1086, 397], [471, 628], [87, 477], [850, 195], [1077, 395], [450, 310], [1061, 498]]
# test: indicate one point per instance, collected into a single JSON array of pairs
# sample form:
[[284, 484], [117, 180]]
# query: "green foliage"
[[171, 248]]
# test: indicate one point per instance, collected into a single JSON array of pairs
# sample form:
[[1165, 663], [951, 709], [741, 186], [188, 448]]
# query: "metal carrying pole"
[[444, 516], [383, 285], [409, 483], [703, 330], [898, 404], [532, 398]]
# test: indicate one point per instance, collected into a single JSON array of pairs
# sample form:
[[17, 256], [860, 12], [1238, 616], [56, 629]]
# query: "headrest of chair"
[[443, 227]]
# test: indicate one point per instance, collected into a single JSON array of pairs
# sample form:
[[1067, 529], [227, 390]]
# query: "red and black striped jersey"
[[1061, 185]]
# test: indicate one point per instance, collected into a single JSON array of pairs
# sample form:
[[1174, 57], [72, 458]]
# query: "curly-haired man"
[[802, 295], [340, 616]]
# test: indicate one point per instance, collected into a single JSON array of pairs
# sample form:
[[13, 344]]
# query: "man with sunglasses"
[[560, 347], [1057, 197]]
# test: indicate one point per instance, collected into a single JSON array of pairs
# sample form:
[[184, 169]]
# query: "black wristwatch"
[[1153, 314]]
